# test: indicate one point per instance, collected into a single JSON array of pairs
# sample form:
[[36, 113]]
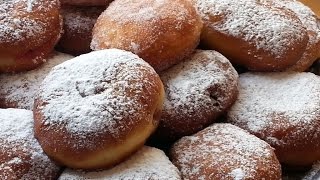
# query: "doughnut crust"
[[160, 32], [198, 91], [86, 2], [29, 31], [78, 23], [224, 151], [147, 163], [95, 110], [21, 156], [18, 90], [258, 36], [283, 109]]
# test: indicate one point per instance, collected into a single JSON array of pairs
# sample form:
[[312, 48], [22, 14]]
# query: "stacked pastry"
[[162, 72]]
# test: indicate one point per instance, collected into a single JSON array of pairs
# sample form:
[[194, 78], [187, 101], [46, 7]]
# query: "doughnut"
[[314, 172], [21, 156], [29, 30], [147, 163], [86, 2], [283, 110], [198, 91], [18, 90], [224, 151], [95, 110], [162, 33], [314, 5], [78, 23], [258, 36], [312, 24]]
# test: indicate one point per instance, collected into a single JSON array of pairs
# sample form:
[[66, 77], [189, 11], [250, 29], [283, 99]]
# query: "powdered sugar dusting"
[[267, 28], [96, 93], [18, 90], [276, 102], [147, 163], [314, 173], [224, 151], [19, 147]]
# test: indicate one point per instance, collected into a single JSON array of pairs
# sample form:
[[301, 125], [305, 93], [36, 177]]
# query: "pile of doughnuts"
[[159, 89]]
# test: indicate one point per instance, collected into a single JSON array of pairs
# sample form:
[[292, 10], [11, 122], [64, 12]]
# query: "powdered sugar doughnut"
[[78, 23], [259, 36], [312, 24], [86, 2], [18, 90], [147, 163], [29, 29], [283, 109], [21, 156], [160, 32], [224, 151], [97, 109], [198, 91]]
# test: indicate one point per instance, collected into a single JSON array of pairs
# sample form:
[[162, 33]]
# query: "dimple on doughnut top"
[[224, 151], [98, 108], [255, 35], [284, 110], [21, 156], [147, 163], [29, 29], [162, 32]]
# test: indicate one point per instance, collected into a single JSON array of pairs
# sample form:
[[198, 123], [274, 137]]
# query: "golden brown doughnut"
[[86, 2], [198, 91], [95, 110], [18, 90], [258, 36], [160, 32], [147, 163], [21, 156], [29, 29], [284, 110], [78, 23], [224, 151]]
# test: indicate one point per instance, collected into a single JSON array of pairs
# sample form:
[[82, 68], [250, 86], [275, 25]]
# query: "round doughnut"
[[147, 163], [97, 109], [314, 5], [21, 156], [29, 30], [224, 151], [78, 23], [283, 109], [198, 91], [18, 90], [258, 36], [160, 32], [312, 24], [86, 2]]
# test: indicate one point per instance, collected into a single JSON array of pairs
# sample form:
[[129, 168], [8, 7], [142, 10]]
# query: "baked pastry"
[[29, 31], [97, 109], [198, 91], [86, 2], [21, 156], [224, 151], [160, 32], [147, 163], [18, 90], [282, 109], [255, 35]]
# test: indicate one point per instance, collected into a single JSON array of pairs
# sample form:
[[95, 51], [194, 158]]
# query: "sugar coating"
[[19, 90], [314, 172], [107, 91], [20, 148], [264, 27], [147, 163], [224, 151]]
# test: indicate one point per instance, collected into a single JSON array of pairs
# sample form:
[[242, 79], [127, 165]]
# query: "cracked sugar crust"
[[19, 90], [20, 152], [224, 151], [147, 163]]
